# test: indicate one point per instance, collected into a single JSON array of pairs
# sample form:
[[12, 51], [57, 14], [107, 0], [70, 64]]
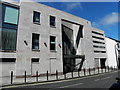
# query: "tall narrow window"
[[52, 21], [35, 41], [52, 43], [36, 17]]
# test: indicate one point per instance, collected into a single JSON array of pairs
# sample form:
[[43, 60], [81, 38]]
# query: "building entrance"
[[102, 62]]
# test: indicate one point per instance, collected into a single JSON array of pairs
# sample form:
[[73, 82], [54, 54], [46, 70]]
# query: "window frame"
[[52, 43], [8, 60], [50, 22], [35, 61], [3, 15], [96, 51], [34, 21], [9, 26], [37, 42], [12, 45]]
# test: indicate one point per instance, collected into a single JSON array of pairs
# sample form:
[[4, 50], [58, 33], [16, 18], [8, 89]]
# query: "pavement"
[[7, 80], [102, 80]]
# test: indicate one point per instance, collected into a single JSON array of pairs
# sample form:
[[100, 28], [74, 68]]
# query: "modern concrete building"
[[36, 37], [113, 52], [99, 45]]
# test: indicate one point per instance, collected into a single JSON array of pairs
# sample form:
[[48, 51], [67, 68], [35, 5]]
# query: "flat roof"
[[113, 39]]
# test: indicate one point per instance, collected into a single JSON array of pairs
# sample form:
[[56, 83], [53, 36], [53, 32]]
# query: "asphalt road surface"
[[97, 81]]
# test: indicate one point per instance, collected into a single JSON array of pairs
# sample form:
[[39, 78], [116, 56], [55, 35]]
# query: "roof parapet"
[[11, 2]]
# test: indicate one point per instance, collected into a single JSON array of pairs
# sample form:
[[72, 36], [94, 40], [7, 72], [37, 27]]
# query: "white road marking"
[[96, 80], [102, 78], [71, 85]]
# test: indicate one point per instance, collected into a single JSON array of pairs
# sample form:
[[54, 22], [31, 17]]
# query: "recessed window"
[[52, 21], [7, 59], [98, 46], [100, 51], [52, 43], [35, 41], [98, 37], [97, 33], [35, 60], [36, 17], [98, 42]]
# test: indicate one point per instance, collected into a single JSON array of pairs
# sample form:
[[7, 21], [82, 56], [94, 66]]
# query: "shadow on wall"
[[69, 51]]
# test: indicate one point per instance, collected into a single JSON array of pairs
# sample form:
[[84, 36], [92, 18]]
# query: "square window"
[[36, 17], [52, 21], [52, 43], [35, 41]]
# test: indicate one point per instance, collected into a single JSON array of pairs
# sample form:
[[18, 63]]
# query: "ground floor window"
[[35, 60], [7, 59]]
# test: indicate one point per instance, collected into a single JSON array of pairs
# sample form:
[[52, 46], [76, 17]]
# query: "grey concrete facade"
[[99, 46], [50, 60]]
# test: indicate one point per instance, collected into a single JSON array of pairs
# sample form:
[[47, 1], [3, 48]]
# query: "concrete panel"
[[7, 68]]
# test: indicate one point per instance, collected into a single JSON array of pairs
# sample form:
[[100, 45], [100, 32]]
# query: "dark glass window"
[[35, 60], [36, 17], [52, 21], [98, 42], [35, 41], [98, 46], [9, 21], [9, 38], [52, 43], [100, 51], [7, 59], [97, 33]]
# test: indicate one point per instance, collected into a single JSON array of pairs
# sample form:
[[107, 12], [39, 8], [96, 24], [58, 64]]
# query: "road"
[[97, 81]]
